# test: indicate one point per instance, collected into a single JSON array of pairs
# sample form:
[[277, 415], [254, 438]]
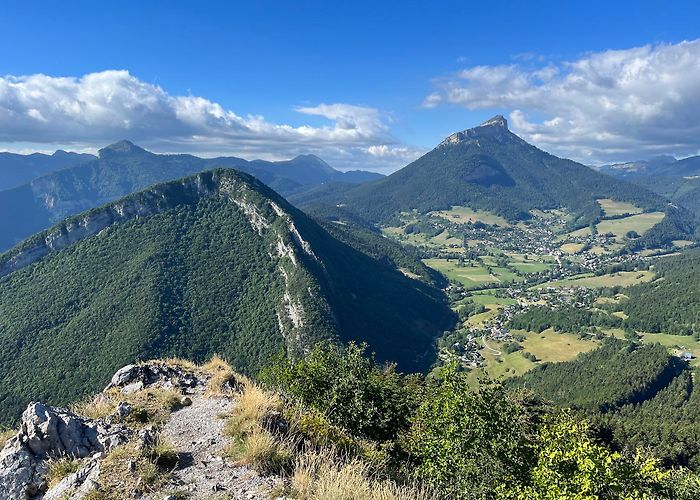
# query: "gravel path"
[[196, 432]]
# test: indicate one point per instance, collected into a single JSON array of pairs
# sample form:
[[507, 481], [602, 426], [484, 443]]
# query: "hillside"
[[17, 169], [124, 168], [677, 180], [489, 168], [217, 262], [628, 390], [670, 304]]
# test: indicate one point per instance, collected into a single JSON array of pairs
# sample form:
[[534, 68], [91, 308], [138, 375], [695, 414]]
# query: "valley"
[[501, 271]]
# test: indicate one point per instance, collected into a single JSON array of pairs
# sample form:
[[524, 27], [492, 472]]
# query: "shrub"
[[350, 389], [569, 464], [467, 441]]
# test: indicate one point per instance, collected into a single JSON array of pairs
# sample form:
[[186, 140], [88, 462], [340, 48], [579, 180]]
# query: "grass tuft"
[[59, 468], [5, 435], [263, 452], [253, 405], [325, 476], [95, 408]]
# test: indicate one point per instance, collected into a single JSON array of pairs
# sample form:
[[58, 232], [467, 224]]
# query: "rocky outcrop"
[[47, 433], [132, 378]]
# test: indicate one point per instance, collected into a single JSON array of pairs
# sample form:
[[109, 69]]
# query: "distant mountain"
[[678, 180], [490, 168], [632, 169], [124, 168], [213, 263], [16, 169]]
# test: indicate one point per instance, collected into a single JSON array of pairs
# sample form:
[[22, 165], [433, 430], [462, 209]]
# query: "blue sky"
[[396, 77]]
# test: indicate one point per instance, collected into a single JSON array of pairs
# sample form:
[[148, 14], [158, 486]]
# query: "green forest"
[[196, 279]]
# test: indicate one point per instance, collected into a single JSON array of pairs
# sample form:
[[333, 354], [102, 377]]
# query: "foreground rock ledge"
[[48, 432]]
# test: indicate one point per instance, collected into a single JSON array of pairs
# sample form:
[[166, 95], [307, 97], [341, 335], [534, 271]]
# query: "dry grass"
[[185, 364], [325, 476], [216, 364], [253, 405], [152, 405], [224, 380], [163, 454], [263, 452], [5, 435], [95, 408], [59, 468], [129, 471]]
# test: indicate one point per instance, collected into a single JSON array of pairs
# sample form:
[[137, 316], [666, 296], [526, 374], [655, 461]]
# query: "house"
[[686, 356]]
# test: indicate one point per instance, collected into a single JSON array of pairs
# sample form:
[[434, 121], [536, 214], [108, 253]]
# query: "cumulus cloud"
[[605, 106], [98, 108]]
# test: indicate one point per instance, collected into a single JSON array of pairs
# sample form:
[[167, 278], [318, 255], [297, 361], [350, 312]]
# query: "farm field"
[[612, 207], [622, 278], [462, 215], [486, 299], [547, 346], [640, 223], [471, 277], [552, 346], [572, 248]]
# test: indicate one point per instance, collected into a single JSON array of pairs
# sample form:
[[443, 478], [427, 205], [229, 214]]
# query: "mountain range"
[[17, 169], [677, 180], [123, 168], [212, 263]]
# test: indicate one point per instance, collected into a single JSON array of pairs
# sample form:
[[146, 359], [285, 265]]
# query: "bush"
[[466, 443], [350, 389]]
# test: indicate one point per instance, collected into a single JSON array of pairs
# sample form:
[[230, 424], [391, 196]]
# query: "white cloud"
[[604, 106], [99, 108]]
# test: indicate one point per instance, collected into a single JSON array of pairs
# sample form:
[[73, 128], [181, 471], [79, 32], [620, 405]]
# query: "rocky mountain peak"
[[496, 121], [493, 127]]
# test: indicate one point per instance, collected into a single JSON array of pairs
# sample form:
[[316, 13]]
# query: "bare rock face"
[[48, 432]]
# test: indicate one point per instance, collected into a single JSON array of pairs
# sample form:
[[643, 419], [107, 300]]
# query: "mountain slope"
[[216, 262], [489, 168], [124, 168], [638, 395], [16, 169]]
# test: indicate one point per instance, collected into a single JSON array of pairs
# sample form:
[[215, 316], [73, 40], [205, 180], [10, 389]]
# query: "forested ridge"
[[198, 278], [671, 303], [635, 395]]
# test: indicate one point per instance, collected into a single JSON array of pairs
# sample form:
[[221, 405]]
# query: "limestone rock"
[[48, 432], [135, 377]]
